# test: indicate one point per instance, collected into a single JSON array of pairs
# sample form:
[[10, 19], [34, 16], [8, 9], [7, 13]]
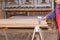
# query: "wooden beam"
[[26, 10], [0, 14], [0, 9]]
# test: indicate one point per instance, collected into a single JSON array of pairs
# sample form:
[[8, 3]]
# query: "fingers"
[[44, 18]]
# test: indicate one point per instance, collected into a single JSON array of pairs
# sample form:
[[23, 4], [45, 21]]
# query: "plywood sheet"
[[20, 21]]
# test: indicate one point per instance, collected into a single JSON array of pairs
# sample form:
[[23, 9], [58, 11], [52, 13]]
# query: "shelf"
[[26, 10]]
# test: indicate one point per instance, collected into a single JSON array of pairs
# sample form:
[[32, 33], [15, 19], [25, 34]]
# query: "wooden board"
[[26, 10], [0, 14], [22, 21]]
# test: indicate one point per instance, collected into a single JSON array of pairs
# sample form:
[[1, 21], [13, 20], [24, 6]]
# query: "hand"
[[44, 18]]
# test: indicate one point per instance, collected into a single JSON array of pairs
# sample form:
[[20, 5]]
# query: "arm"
[[51, 15]]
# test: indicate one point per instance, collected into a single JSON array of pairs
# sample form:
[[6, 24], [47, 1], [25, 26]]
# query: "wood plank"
[[0, 14], [0, 9], [23, 22], [17, 23], [27, 10]]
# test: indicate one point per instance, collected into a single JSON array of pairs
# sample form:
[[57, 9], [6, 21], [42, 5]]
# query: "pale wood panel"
[[23, 22]]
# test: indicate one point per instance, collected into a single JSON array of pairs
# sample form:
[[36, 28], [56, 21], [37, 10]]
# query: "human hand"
[[44, 18]]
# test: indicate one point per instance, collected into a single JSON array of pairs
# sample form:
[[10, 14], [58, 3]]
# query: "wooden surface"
[[22, 21], [26, 10], [26, 34], [0, 14]]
